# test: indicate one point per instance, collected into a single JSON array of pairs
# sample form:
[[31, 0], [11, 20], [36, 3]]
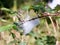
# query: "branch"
[[45, 15]]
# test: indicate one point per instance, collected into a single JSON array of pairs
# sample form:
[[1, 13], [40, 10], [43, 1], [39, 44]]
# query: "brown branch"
[[45, 15]]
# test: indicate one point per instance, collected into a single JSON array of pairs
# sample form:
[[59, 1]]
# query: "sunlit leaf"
[[5, 28], [26, 7], [8, 10]]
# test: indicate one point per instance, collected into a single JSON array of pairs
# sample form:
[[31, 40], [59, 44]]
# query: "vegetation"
[[46, 33]]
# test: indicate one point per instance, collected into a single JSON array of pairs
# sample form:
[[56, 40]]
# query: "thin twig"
[[49, 32], [55, 31]]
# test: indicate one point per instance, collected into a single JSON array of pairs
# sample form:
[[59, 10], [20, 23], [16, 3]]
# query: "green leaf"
[[39, 42], [8, 10], [51, 40], [5, 28], [22, 43], [26, 7], [5, 9]]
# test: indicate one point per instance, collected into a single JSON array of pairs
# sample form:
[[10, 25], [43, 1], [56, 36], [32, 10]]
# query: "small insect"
[[27, 25]]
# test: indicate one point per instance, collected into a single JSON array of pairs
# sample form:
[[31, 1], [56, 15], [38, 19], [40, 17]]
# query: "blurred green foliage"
[[40, 37], [6, 4], [46, 40], [6, 27]]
